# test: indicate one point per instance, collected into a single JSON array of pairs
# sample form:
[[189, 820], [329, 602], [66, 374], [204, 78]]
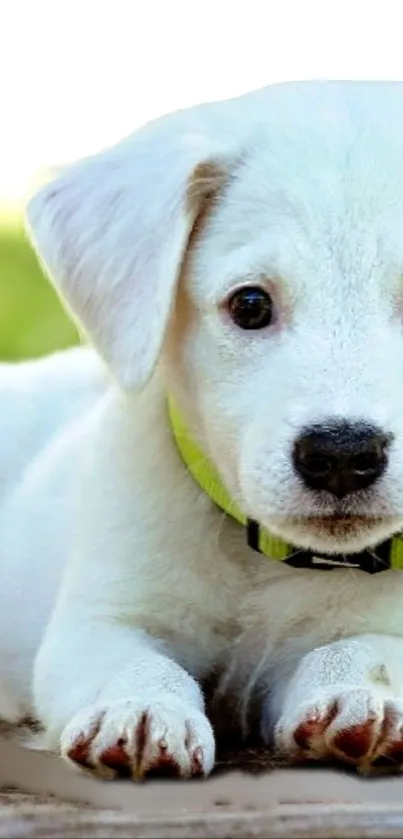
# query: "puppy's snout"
[[341, 457]]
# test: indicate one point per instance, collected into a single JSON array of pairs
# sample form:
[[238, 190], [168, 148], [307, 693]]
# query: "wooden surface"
[[41, 797], [41, 820]]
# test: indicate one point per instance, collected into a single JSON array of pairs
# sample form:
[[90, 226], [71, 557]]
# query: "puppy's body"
[[124, 585], [209, 583], [44, 410]]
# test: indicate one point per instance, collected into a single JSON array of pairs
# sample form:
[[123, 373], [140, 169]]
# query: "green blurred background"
[[32, 321]]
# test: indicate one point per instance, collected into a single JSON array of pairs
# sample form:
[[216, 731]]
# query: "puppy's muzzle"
[[341, 458]]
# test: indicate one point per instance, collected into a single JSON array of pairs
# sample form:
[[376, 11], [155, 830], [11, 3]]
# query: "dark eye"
[[251, 308]]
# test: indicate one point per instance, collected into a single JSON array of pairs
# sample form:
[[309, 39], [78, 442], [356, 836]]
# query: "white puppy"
[[245, 260]]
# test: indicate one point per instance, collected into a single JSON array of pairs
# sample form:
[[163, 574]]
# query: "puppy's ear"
[[112, 231]]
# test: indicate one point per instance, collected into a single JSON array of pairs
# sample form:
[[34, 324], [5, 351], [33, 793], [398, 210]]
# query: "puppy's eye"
[[251, 308]]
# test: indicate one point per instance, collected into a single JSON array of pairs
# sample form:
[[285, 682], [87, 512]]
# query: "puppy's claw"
[[359, 726], [141, 738]]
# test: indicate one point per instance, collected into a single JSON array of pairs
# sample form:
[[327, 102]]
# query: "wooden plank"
[[282, 803], [305, 822]]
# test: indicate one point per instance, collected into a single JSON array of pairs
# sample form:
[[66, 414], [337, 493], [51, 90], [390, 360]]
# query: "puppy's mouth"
[[336, 532], [338, 524]]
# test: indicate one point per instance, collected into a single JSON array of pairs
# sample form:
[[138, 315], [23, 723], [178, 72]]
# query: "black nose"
[[341, 457]]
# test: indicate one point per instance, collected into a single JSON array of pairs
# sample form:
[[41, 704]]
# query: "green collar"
[[387, 555]]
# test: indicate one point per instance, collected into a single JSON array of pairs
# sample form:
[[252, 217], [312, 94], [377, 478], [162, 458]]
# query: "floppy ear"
[[112, 231]]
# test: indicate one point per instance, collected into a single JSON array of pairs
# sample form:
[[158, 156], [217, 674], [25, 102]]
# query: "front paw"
[[135, 737], [354, 725]]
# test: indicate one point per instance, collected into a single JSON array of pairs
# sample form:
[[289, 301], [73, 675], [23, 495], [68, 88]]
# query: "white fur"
[[123, 587]]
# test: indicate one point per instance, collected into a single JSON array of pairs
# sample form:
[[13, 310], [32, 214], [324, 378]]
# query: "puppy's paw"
[[354, 725], [141, 736]]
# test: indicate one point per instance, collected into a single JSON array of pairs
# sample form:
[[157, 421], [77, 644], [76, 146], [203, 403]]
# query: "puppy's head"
[[254, 249]]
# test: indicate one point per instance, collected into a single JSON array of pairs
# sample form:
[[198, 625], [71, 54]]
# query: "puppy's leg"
[[144, 607], [344, 701], [130, 708]]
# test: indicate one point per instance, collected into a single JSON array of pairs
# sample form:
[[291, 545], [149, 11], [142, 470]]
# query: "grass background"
[[32, 321]]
